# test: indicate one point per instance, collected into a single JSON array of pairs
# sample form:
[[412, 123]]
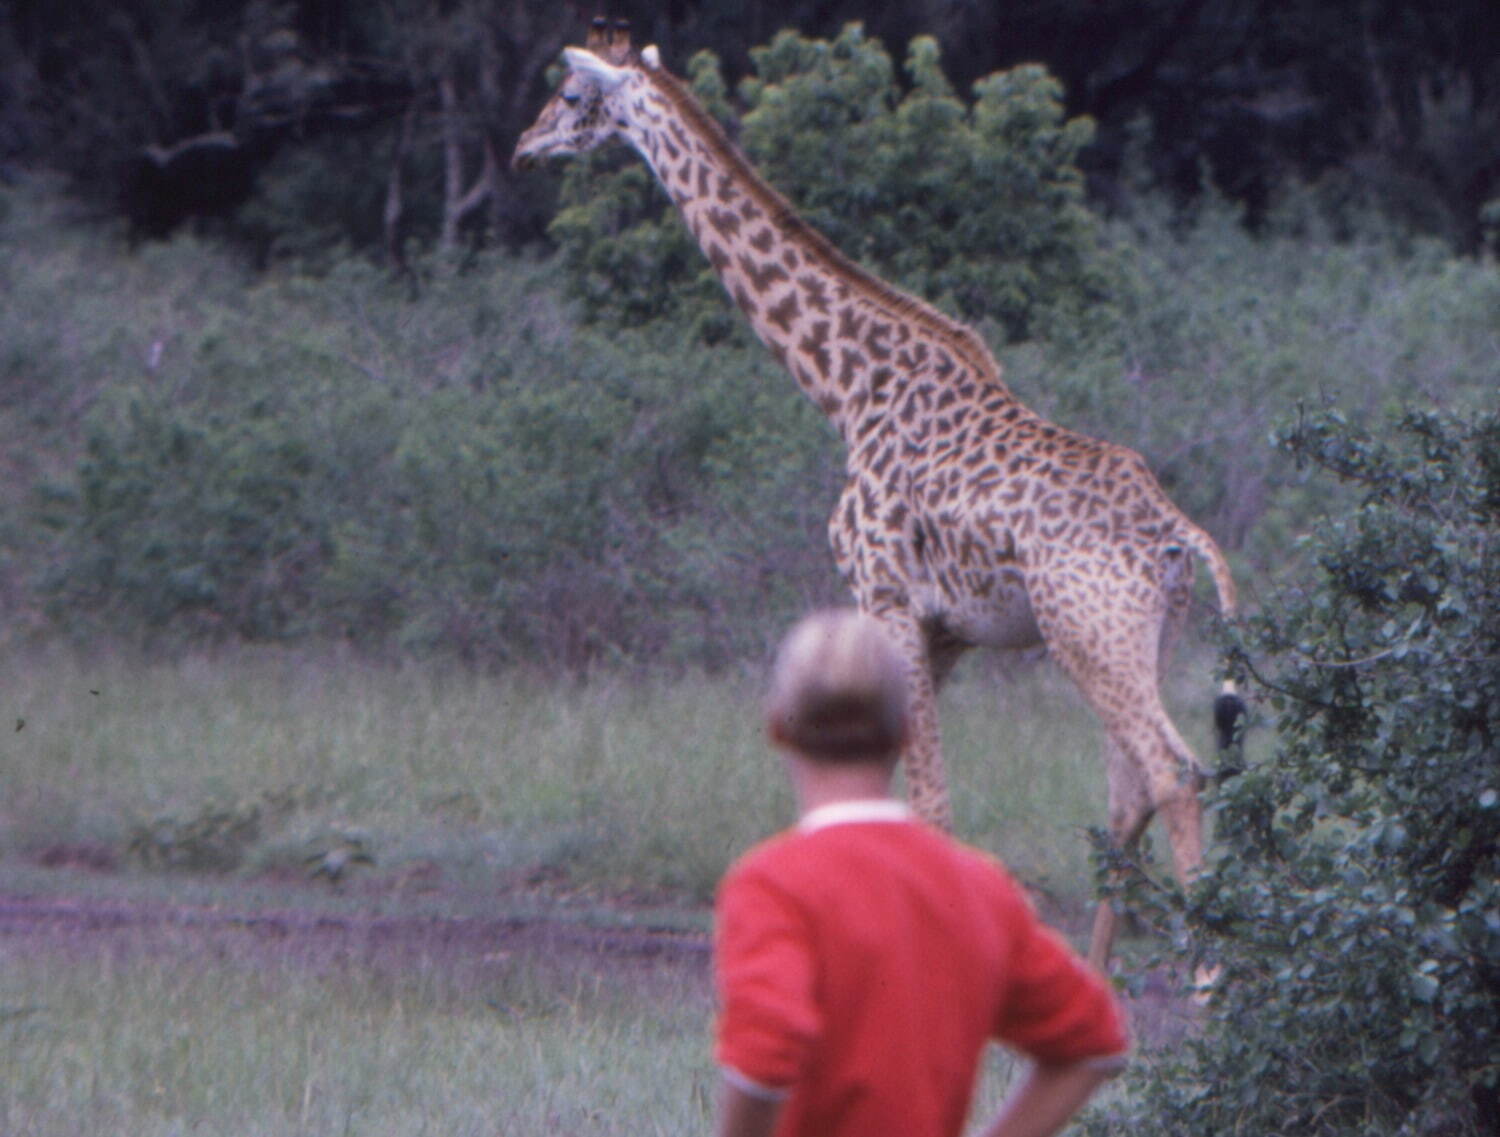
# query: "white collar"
[[864, 809]]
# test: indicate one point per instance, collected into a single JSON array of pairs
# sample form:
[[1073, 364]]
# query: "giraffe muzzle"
[[529, 152]]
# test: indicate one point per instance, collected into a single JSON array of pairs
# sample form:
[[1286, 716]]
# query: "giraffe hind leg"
[[1138, 791], [1151, 769]]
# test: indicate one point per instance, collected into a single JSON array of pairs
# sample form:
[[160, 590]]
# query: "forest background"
[[291, 360], [289, 249]]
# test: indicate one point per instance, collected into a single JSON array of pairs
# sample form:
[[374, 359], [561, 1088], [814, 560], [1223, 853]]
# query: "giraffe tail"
[[1228, 707], [1209, 552]]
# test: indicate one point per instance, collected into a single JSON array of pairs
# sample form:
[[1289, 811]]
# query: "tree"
[[976, 206], [1355, 902], [473, 70], [1382, 102]]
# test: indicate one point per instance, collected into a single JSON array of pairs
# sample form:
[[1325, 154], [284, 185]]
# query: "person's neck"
[[819, 784]]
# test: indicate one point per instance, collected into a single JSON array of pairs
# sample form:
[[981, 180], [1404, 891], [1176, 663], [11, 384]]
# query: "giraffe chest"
[[953, 566], [967, 575]]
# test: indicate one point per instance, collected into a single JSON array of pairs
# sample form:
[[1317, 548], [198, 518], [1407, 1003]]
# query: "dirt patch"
[[92, 857], [81, 924], [457, 951]]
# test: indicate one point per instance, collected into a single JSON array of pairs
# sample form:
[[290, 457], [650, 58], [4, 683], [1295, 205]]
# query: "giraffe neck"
[[848, 338]]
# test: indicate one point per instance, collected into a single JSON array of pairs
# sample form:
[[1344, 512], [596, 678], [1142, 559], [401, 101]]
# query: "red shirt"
[[863, 960]]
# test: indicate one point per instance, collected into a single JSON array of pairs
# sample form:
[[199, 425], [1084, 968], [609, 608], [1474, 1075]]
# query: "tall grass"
[[480, 776], [156, 1039], [152, 1043], [623, 782]]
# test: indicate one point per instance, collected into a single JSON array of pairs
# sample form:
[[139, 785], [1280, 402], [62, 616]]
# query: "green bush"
[[207, 524], [1215, 334], [194, 452], [1354, 900], [976, 206], [461, 472]]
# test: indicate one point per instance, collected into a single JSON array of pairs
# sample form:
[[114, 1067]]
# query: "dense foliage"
[[388, 118], [977, 207], [1354, 898], [193, 453], [196, 459]]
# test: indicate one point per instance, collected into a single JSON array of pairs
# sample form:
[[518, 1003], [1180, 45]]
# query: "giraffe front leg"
[[922, 756], [869, 565]]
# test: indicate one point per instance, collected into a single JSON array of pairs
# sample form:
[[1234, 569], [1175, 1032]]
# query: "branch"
[[394, 202], [1244, 659], [1349, 662], [164, 156], [1140, 77]]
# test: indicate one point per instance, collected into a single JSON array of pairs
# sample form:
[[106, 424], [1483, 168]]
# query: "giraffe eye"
[[571, 99]]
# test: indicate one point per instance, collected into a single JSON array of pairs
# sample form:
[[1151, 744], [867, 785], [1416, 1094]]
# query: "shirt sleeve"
[[1057, 1009], [763, 963]]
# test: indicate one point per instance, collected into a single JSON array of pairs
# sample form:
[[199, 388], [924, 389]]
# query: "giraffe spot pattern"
[[785, 311], [966, 518]]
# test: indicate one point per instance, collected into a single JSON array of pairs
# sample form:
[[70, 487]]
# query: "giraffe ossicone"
[[966, 520]]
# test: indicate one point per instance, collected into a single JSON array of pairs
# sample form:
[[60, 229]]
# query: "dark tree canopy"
[[172, 109]]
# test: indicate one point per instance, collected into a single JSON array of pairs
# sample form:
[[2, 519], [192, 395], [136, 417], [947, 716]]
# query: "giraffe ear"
[[651, 56], [586, 65]]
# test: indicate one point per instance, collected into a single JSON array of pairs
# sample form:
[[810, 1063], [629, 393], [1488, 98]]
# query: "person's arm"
[[1063, 1015], [745, 1114], [768, 1018], [1049, 1094]]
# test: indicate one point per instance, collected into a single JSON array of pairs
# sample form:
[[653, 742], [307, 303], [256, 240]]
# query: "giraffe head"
[[589, 108]]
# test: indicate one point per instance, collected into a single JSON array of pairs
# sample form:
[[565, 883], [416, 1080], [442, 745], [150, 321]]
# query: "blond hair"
[[838, 690]]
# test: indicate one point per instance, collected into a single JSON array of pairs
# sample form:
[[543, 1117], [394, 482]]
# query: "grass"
[[478, 776], [623, 788], [154, 1043], [145, 1044], [644, 783]]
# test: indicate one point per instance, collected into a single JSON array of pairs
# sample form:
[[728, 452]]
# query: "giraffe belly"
[[1001, 617]]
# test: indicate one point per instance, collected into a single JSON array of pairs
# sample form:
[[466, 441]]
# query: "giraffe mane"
[[966, 342]]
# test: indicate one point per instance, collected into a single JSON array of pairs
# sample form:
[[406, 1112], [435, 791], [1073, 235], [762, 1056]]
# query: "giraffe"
[[966, 519]]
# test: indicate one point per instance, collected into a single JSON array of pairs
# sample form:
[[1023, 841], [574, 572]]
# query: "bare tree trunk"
[[1387, 120], [458, 203], [394, 201], [453, 161]]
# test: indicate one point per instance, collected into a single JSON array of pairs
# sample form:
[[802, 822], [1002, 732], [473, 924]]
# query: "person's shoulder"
[[764, 856], [984, 868]]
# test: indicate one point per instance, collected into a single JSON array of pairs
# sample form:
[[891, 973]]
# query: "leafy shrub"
[[978, 207], [191, 452], [1215, 335], [460, 473], [217, 838], [1354, 902], [211, 525]]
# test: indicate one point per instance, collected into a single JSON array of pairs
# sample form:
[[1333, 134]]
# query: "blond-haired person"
[[863, 959]]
